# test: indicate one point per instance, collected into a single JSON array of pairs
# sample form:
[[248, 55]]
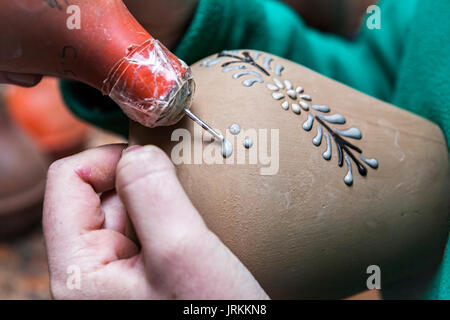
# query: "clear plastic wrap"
[[151, 85]]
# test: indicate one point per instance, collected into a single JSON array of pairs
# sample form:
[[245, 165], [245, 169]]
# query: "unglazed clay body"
[[358, 182]]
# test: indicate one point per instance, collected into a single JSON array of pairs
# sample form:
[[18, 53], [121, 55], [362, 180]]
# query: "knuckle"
[[147, 153], [58, 167]]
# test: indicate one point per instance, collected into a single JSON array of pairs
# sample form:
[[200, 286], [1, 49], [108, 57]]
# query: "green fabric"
[[88, 104], [439, 288], [423, 87], [406, 63]]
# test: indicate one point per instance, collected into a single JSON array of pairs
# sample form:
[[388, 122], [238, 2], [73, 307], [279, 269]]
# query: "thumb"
[[159, 209], [183, 258]]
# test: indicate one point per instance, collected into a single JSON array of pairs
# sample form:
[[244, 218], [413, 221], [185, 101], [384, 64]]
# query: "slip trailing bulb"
[[110, 51]]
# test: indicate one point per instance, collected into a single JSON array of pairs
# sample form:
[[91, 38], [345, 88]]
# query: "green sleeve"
[[368, 63], [423, 87], [90, 105], [423, 80], [433, 37]]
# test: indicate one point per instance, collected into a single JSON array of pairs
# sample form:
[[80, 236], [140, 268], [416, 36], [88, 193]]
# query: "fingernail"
[[26, 80], [131, 149]]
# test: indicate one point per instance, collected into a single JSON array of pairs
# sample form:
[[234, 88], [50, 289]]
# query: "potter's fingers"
[[72, 205], [20, 79], [183, 258], [114, 210], [160, 210]]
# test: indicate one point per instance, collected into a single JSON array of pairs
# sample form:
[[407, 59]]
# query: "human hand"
[[178, 257], [166, 20]]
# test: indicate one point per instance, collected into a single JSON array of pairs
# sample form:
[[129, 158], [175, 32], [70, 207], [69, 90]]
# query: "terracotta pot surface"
[[303, 232]]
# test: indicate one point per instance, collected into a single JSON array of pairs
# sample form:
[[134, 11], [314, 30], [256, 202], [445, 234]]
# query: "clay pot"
[[22, 175], [305, 226], [41, 112]]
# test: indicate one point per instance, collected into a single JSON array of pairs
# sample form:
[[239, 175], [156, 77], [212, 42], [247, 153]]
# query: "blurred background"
[[36, 129]]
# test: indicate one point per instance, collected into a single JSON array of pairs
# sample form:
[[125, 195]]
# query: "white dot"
[[295, 108], [235, 129], [248, 143], [277, 95]]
